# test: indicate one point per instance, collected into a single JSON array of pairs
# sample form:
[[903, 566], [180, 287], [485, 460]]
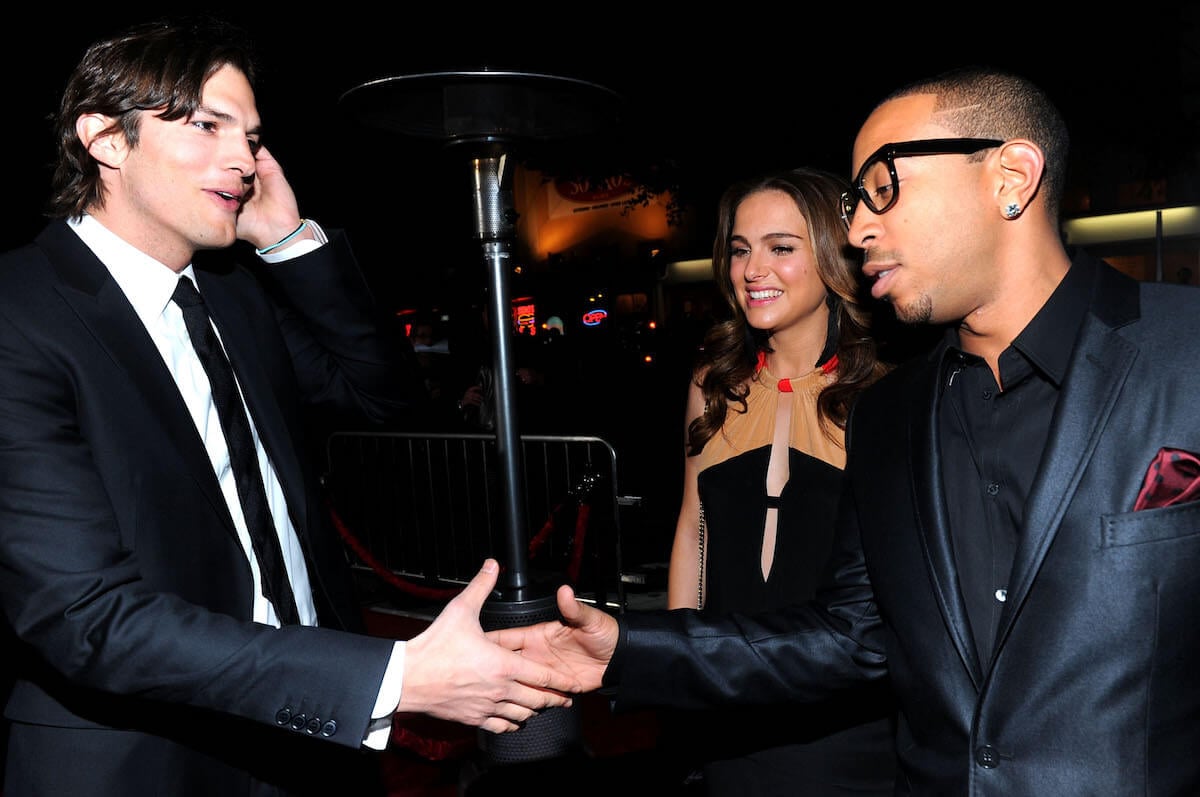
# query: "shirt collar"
[[1048, 338], [146, 282]]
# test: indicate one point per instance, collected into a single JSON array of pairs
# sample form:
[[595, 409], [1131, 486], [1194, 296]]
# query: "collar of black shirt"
[[1047, 340]]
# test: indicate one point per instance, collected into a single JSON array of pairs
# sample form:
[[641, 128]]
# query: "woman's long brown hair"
[[731, 347]]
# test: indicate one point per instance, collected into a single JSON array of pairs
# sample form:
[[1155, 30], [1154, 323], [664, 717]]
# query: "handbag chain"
[[700, 536]]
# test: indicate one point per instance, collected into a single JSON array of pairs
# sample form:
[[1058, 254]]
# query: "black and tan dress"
[[839, 748]]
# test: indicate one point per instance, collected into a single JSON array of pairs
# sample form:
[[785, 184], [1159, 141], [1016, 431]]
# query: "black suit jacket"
[[1093, 686], [120, 570]]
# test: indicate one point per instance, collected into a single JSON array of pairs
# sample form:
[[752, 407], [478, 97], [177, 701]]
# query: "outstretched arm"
[[578, 648], [454, 671]]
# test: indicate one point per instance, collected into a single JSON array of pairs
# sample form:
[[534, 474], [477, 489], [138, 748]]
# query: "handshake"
[[496, 680]]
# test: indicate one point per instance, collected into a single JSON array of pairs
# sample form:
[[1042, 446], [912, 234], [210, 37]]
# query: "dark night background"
[[708, 100]]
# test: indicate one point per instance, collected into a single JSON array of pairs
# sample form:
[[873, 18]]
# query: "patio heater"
[[492, 117]]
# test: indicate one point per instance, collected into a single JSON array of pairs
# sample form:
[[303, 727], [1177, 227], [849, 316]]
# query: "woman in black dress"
[[764, 456]]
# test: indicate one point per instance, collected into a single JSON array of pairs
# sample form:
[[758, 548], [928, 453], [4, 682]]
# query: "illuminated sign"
[[525, 318], [593, 318]]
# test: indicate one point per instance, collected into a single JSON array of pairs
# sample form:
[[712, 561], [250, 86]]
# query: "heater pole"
[[494, 227], [484, 112]]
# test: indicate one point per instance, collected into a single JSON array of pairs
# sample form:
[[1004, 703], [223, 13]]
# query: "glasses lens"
[[849, 200], [878, 189]]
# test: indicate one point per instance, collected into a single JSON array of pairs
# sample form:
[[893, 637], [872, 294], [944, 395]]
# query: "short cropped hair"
[[978, 102]]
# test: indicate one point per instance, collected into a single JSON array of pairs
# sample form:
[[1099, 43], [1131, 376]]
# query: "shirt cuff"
[[301, 247], [379, 731]]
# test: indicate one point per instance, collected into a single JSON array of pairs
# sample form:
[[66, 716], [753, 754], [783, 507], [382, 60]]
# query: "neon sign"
[[525, 318], [593, 318]]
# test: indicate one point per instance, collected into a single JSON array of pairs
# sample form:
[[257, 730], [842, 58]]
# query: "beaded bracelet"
[[284, 239]]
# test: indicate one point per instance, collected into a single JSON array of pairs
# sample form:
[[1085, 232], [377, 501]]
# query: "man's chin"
[[915, 312], [218, 239]]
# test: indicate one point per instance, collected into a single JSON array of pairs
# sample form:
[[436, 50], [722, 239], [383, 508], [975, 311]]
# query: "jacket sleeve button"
[[329, 728], [313, 726], [298, 722], [283, 716], [987, 757]]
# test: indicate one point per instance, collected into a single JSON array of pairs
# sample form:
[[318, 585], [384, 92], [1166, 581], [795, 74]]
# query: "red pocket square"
[[1173, 478]]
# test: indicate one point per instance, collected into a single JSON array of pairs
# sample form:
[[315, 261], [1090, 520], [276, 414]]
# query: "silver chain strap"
[[700, 535]]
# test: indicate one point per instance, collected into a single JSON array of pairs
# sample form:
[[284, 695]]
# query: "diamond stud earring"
[[1012, 210]]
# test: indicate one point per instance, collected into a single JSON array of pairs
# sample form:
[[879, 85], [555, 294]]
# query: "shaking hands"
[[455, 671]]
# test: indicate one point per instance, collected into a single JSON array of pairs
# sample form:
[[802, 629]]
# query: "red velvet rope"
[[435, 593], [539, 539], [383, 572], [581, 522]]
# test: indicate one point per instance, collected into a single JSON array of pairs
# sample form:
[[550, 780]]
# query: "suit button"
[[313, 726], [299, 721], [329, 728], [987, 757], [283, 716]]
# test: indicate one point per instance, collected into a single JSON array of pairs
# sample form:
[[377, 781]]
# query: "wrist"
[[285, 240]]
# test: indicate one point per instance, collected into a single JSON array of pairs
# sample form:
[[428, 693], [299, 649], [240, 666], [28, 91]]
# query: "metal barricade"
[[425, 508]]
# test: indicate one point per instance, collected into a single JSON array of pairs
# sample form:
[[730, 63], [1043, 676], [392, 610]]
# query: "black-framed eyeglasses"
[[877, 184]]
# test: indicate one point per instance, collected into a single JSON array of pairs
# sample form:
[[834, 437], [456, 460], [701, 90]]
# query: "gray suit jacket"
[[1093, 687]]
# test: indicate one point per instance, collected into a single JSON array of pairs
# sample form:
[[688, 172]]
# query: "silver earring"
[[1012, 210]]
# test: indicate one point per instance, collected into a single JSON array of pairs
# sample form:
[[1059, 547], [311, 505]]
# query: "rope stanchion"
[[578, 540]]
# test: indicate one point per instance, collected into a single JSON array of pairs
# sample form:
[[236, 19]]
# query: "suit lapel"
[[101, 306], [1100, 364], [1101, 361], [932, 518]]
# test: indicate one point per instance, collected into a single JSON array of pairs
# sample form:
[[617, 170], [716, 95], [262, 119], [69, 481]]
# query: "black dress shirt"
[[991, 444]]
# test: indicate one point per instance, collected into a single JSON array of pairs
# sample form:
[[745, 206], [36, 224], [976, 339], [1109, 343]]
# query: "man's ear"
[[1021, 165], [103, 139]]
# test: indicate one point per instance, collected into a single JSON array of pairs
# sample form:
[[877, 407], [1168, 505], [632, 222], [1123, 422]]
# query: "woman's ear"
[[103, 139]]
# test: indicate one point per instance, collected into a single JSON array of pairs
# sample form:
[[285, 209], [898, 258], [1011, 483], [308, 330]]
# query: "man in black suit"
[[1019, 537], [151, 656]]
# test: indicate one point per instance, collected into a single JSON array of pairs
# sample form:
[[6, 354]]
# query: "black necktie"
[[242, 455]]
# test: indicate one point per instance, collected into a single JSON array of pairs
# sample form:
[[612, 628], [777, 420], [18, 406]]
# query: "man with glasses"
[[1019, 533]]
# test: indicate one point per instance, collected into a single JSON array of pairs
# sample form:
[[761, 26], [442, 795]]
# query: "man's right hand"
[[452, 671], [579, 648]]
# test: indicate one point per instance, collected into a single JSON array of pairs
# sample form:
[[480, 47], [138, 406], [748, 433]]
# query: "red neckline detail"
[[785, 385]]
